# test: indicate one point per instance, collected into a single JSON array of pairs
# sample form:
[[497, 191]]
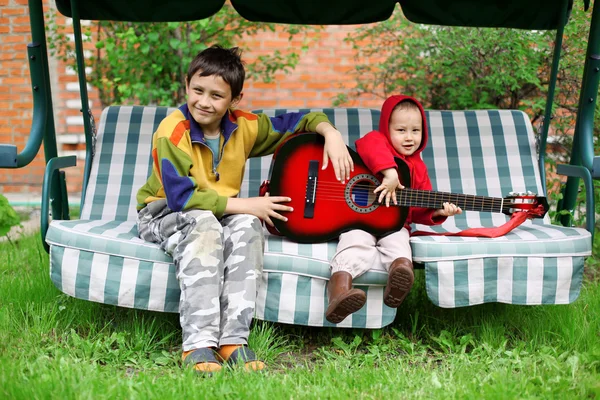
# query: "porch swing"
[[100, 258]]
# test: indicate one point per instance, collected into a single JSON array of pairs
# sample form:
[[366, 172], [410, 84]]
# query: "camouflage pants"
[[217, 264]]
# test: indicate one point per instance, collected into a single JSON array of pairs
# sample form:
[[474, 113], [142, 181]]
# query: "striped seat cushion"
[[487, 153]]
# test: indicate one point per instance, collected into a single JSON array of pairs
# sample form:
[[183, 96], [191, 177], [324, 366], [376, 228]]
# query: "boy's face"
[[406, 131], [208, 98]]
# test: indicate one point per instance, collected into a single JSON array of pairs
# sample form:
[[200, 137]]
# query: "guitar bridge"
[[311, 189]]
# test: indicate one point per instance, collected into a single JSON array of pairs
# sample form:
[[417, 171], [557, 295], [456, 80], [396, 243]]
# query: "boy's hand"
[[388, 186], [335, 150], [264, 207], [448, 211]]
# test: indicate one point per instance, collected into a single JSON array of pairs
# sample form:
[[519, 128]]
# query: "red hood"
[[386, 114]]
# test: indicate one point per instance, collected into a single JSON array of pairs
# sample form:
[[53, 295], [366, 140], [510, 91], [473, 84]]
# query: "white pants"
[[359, 251]]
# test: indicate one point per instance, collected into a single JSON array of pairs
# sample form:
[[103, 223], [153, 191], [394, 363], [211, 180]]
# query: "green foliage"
[[8, 216], [448, 67], [146, 63]]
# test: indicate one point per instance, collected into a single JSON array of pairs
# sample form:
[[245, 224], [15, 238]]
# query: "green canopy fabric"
[[525, 14]]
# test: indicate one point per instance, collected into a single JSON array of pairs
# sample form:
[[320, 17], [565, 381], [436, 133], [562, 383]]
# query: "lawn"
[[54, 346]]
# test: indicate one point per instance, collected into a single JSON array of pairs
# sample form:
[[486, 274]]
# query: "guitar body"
[[323, 206]]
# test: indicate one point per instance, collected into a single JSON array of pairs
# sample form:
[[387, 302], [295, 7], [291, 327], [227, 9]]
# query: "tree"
[[146, 63], [449, 67]]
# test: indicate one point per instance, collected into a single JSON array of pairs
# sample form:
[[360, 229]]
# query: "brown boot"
[[400, 280], [343, 300]]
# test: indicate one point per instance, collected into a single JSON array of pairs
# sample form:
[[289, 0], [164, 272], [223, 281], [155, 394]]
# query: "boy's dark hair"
[[226, 63]]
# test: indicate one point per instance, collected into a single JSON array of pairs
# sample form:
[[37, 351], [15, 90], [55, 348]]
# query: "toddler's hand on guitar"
[[336, 151], [449, 210], [388, 186], [264, 207]]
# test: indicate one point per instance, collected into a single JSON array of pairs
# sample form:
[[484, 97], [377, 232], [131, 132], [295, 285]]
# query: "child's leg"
[[393, 246], [194, 239], [243, 243], [356, 254], [396, 256], [198, 256]]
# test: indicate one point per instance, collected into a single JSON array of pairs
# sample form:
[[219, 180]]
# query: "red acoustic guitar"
[[324, 207]]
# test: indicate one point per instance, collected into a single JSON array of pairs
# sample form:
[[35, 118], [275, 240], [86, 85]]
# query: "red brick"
[[24, 89], [22, 29], [12, 64], [21, 20], [7, 11], [292, 103], [318, 85], [266, 86], [319, 103]]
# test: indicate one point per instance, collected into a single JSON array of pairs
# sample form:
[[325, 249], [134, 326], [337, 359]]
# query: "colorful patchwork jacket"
[[182, 169]]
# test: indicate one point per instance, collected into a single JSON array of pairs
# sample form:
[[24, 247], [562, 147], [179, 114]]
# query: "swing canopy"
[[526, 14]]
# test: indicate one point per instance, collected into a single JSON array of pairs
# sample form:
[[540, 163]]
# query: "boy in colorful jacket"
[[403, 134], [189, 204]]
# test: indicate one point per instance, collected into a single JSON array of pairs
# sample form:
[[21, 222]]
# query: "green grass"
[[54, 346]]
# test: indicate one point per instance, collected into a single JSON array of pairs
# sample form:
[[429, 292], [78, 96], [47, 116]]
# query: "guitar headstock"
[[525, 201]]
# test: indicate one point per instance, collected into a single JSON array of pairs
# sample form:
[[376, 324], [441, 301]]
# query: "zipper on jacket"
[[214, 169], [220, 156]]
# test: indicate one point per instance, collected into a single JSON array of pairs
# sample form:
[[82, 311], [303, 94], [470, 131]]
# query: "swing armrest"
[[53, 165], [585, 174], [596, 168], [8, 156]]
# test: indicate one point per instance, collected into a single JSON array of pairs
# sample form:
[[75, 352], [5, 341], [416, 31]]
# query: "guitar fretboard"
[[431, 199]]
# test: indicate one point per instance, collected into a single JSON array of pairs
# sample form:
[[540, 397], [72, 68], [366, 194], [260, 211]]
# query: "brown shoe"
[[400, 281], [343, 300]]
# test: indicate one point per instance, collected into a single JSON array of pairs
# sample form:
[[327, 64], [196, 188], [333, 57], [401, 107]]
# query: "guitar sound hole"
[[362, 193], [359, 193]]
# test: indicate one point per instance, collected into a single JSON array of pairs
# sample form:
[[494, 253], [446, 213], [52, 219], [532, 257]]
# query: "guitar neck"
[[431, 199]]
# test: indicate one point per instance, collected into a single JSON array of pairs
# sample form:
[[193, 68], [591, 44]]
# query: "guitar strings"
[[421, 197], [467, 207], [327, 185], [424, 196]]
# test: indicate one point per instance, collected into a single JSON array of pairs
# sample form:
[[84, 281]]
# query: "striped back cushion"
[[485, 153], [122, 162], [488, 153]]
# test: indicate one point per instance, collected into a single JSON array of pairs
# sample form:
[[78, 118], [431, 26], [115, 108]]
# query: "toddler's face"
[[208, 98], [406, 131]]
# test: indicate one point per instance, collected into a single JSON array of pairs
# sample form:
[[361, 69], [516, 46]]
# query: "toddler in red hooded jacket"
[[402, 133]]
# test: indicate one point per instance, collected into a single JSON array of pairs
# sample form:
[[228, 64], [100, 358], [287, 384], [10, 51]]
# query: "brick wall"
[[320, 76]]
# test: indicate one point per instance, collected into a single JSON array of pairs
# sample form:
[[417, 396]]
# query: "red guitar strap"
[[515, 220]]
